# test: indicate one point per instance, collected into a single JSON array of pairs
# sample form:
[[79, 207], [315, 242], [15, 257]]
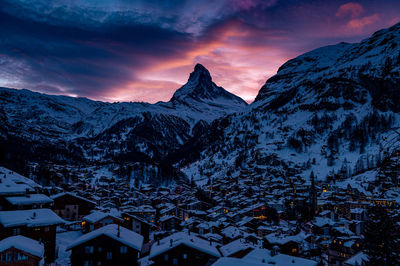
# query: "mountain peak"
[[200, 74], [200, 68], [200, 87]]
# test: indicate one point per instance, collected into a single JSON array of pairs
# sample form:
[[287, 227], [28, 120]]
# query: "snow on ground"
[[64, 239]]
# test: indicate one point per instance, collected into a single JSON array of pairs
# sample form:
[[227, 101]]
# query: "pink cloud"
[[359, 24], [352, 9], [236, 62]]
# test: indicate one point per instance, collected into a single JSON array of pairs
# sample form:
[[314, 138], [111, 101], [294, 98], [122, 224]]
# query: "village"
[[243, 220]]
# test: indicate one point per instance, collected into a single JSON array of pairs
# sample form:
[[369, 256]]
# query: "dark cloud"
[[124, 49]]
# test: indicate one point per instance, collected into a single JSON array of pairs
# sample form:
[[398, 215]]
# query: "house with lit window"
[[138, 225], [287, 244], [342, 249], [108, 245], [98, 219], [20, 251]]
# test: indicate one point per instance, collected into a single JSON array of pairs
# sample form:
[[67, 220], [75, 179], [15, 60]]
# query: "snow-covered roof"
[[17, 178], [227, 261], [234, 247], [73, 195], [22, 243], [126, 236], [343, 230], [273, 238], [168, 217], [232, 232], [259, 255], [30, 218], [96, 216], [12, 183], [357, 259], [183, 238], [29, 199]]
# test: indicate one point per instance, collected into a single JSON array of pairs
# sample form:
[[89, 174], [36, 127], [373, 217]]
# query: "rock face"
[[330, 110], [201, 88]]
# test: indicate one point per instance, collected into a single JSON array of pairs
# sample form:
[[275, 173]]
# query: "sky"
[[126, 50]]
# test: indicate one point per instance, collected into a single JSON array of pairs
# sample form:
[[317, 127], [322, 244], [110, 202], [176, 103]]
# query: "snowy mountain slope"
[[371, 65], [93, 129], [328, 110]]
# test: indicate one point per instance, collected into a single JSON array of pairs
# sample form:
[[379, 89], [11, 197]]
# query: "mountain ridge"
[[328, 111]]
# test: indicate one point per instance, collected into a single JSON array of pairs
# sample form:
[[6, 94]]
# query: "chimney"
[[170, 242], [33, 215], [118, 232], [158, 242], [210, 242]]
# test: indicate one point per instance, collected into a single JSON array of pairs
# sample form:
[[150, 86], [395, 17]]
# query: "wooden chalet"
[[109, 245]]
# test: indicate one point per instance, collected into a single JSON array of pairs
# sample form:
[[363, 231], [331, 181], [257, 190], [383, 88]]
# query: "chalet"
[[184, 248], [109, 245], [341, 249], [38, 224], [98, 219], [138, 225], [145, 211], [288, 244], [20, 250], [72, 207]]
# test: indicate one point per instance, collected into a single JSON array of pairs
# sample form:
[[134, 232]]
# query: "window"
[[8, 257], [87, 263], [109, 255], [99, 249], [21, 257], [123, 250], [166, 257], [89, 249], [175, 261], [184, 256], [16, 231]]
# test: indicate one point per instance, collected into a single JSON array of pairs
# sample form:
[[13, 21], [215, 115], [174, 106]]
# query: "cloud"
[[352, 9], [144, 50], [360, 23]]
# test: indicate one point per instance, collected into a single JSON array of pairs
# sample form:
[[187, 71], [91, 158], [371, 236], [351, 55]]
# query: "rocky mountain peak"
[[200, 87]]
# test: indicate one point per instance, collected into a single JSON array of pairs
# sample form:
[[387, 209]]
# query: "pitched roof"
[[30, 218], [126, 236], [96, 216], [71, 194], [183, 238], [258, 255], [29, 199], [22, 243]]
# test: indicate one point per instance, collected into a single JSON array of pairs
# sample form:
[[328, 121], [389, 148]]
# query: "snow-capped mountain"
[[94, 129], [330, 110]]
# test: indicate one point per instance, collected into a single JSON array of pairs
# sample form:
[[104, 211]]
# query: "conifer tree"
[[382, 238]]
